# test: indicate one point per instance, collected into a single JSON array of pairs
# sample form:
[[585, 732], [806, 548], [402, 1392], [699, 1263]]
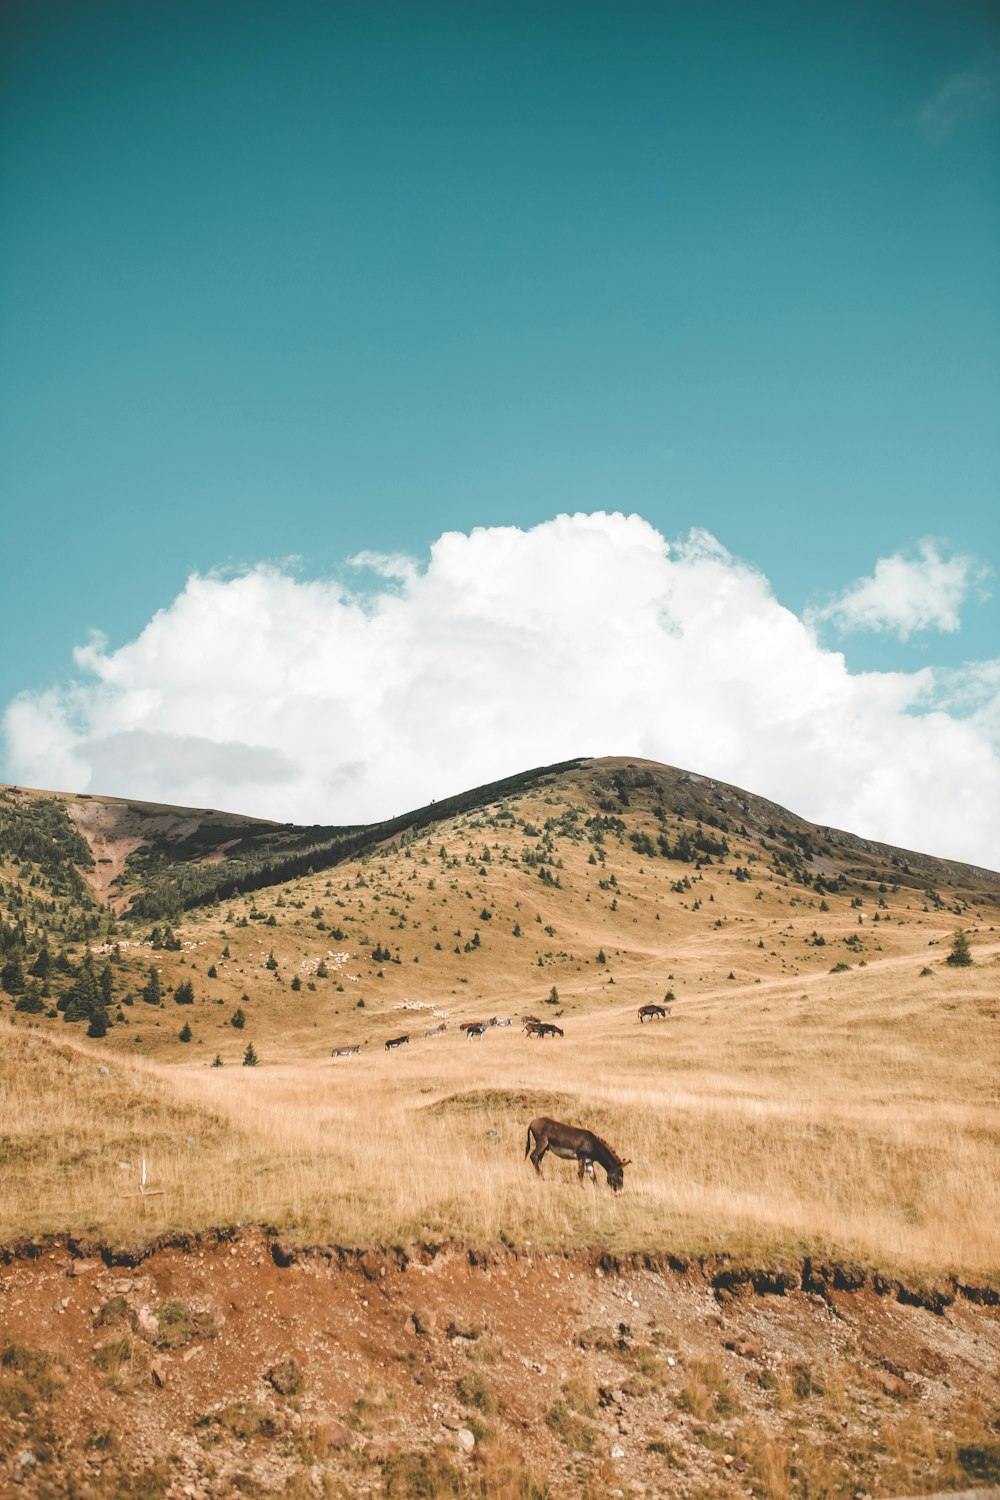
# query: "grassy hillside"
[[826, 1081], [150, 860]]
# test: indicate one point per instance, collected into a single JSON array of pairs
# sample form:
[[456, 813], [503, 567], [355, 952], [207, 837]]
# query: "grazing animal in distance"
[[500, 1021], [346, 1051], [653, 1012], [437, 1030], [528, 1021], [397, 1041], [478, 1028], [573, 1143], [544, 1028]]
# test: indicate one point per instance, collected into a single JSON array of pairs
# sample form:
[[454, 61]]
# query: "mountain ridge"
[[156, 848]]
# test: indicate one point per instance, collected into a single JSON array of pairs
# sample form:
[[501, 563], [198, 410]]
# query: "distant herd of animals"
[[570, 1142], [530, 1025]]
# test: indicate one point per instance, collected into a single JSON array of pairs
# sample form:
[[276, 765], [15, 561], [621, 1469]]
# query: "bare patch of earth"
[[113, 832], [223, 1364]]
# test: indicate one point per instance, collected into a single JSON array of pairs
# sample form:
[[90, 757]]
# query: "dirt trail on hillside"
[[225, 1363], [985, 952]]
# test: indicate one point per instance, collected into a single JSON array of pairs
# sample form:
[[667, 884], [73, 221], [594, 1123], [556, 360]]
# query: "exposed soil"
[[113, 832], [227, 1364]]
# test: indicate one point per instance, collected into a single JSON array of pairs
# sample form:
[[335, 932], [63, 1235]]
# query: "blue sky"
[[303, 280]]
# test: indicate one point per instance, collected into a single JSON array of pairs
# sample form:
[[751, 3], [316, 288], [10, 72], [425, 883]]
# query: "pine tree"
[[185, 1034], [105, 983], [42, 967], [98, 1023], [250, 1058], [683, 849], [960, 955], [152, 992], [184, 993], [31, 1001], [12, 976], [85, 997], [238, 1019]]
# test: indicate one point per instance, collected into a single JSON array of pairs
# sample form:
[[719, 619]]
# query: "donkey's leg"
[[536, 1156]]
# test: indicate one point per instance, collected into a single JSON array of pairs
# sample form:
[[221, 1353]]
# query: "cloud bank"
[[586, 635]]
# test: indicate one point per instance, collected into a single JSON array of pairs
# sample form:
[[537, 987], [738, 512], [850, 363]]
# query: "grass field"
[[826, 1084], [858, 1118]]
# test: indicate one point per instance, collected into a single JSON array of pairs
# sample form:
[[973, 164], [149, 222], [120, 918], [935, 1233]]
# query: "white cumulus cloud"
[[586, 635], [906, 594]]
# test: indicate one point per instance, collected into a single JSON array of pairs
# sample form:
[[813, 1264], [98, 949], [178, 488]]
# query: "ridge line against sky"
[[314, 701]]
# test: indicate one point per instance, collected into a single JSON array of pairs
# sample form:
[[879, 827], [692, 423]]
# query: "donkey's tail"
[[527, 1144]]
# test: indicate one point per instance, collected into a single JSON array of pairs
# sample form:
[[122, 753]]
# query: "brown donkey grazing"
[[397, 1041], [653, 1012], [574, 1144]]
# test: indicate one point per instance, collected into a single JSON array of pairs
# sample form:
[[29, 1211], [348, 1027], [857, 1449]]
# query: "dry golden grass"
[[782, 1109], [838, 1125]]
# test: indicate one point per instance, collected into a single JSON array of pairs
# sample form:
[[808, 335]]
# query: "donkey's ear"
[[627, 1163]]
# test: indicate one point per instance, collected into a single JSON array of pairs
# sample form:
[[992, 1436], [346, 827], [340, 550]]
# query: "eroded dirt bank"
[[229, 1364]]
